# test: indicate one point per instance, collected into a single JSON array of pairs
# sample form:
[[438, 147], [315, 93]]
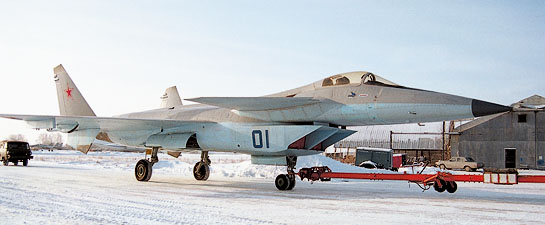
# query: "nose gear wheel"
[[286, 182]]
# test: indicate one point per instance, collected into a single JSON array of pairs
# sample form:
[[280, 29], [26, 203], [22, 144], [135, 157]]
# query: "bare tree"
[[50, 138], [57, 138], [17, 137]]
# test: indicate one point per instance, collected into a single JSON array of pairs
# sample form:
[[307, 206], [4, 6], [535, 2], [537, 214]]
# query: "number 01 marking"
[[257, 138]]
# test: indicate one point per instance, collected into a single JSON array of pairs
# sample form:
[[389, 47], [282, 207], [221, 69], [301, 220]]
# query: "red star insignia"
[[69, 91]]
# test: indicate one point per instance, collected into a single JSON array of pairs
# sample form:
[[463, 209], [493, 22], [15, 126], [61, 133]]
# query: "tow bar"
[[440, 181]]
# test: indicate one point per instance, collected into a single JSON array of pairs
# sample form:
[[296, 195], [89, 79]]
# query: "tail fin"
[[71, 102], [171, 98]]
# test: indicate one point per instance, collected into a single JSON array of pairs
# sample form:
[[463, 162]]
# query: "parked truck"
[[15, 152], [378, 157], [466, 163]]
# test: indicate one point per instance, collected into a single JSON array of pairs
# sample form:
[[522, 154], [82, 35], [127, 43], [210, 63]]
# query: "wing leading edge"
[[255, 103]]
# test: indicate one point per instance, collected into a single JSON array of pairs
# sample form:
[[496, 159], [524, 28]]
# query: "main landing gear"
[[144, 167], [201, 171], [285, 182]]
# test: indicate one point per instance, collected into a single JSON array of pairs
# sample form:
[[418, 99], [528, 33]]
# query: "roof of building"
[[532, 103], [477, 122]]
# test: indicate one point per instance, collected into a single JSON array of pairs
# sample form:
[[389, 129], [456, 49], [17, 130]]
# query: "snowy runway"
[[69, 188]]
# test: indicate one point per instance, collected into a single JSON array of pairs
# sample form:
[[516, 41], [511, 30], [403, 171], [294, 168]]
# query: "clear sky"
[[123, 54]]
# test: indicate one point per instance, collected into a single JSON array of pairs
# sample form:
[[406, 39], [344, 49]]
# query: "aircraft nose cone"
[[482, 108]]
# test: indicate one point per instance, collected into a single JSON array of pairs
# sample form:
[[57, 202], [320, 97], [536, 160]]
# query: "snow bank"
[[223, 164], [417, 169]]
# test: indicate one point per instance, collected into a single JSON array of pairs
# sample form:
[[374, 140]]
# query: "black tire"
[[25, 162], [292, 182], [143, 170], [442, 166], [452, 187], [15, 163], [442, 188], [468, 169], [282, 182], [201, 171]]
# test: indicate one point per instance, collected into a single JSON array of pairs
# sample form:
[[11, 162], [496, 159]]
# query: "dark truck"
[[371, 158], [15, 152]]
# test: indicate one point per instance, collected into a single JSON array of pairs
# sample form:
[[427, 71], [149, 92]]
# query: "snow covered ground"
[[66, 187]]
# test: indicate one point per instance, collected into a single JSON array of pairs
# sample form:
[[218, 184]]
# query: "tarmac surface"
[[59, 192]]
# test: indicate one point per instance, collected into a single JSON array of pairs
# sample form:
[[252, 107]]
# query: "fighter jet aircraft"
[[273, 129]]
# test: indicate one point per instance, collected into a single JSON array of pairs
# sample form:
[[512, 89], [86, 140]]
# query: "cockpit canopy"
[[356, 78], [343, 79]]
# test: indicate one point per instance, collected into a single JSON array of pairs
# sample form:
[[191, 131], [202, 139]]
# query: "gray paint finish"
[[265, 126]]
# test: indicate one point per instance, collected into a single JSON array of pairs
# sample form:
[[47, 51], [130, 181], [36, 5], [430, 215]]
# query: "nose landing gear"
[[286, 182]]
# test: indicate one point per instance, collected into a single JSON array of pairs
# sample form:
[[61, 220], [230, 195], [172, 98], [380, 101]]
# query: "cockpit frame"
[[356, 79]]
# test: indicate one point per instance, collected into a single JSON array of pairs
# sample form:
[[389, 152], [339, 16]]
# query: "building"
[[507, 140]]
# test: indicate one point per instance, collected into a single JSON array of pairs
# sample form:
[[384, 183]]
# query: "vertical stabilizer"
[[171, 98], [71, 102]]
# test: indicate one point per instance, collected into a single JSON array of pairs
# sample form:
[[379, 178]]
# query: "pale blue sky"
[[123, 54]]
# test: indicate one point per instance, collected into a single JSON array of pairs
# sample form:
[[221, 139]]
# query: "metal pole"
[[391, 140], [443, 151], [535, 141]]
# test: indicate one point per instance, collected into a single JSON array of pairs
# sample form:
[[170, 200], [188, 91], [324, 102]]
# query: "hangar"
[[507, 140]]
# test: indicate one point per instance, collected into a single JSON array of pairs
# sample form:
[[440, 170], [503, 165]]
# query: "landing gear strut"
[[285, 182], [201, 171], [144, 167]]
